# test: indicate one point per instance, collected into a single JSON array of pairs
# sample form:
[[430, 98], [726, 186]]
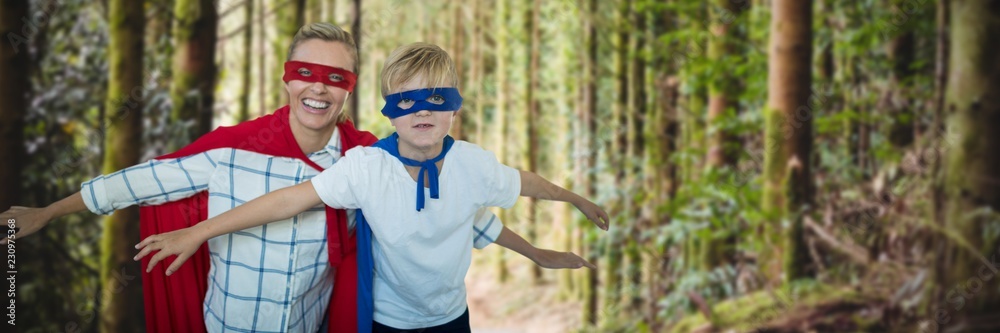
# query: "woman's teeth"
[[315, 104]]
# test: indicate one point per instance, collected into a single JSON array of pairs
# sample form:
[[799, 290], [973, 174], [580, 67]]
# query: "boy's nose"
[[423, 113]]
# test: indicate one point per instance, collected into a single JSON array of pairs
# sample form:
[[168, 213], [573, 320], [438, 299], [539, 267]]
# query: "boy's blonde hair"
[[330, 33], [408, 61]]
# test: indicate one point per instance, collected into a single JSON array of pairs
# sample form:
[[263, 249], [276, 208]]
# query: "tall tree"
[[476, 71], [618, 150], [636, 151], [531, 15], [901, 50], [248, 55], [587, 152], [330, 14], [356, 33], [14, 89], [661, 134], [194, 65], [158, 23], [457, 46], [500, 117], [723, 89], [289, 20], [159, 46], [262, 77], [937, 127], [123, 136], [723, 105], [313, 11], [788, 188], [972, 168]]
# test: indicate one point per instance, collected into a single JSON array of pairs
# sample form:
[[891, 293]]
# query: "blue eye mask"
[[430, 99]]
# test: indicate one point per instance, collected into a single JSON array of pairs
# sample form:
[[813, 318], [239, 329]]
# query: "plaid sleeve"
[[149, 183], [485, 229]]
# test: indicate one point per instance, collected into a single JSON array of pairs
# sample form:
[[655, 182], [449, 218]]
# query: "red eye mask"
[[320, 73]]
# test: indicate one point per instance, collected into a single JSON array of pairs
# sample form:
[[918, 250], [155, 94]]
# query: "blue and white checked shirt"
[[271, 278]]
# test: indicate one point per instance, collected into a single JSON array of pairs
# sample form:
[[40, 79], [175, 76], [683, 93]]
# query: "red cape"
[[174, 304]]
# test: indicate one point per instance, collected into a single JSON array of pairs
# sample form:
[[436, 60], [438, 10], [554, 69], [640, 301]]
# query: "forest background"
[[770, 165]]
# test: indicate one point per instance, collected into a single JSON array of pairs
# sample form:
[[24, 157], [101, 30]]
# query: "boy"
[[420, 257]]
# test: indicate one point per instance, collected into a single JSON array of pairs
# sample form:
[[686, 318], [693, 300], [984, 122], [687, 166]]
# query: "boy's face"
[[314, 105], [423, 129]]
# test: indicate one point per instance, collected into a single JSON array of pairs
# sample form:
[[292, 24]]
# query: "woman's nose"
[[317, 87]]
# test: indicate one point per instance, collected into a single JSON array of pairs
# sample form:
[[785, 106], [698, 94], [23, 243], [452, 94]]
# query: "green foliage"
[[710, 205]]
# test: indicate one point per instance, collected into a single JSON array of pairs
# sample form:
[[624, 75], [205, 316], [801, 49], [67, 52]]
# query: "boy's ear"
[[456, 112]]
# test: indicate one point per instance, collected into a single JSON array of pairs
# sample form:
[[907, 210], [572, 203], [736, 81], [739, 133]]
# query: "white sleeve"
[[150, 183], [486, 228], [503, 183], [336, 185]]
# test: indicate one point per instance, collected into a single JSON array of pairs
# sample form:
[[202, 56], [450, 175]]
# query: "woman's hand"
[[182, 243], [27, 220]]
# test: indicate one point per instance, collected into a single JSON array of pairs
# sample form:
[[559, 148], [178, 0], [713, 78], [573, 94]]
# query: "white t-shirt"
[[421, 258]]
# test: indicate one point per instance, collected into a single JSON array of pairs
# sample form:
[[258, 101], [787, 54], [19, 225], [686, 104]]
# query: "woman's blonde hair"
[[330, 33], [408, 61]]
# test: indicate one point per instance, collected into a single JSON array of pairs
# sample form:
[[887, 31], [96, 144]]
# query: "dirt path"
[[517, 306]]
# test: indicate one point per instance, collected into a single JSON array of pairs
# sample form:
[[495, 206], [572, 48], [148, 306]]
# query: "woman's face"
[[316, 106]]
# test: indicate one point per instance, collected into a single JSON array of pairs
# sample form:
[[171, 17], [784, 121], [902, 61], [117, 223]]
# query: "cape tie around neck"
[[391, 145]]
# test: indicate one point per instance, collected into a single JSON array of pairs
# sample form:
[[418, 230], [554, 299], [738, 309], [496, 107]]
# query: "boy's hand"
[[27, 220], [183, 243], [594, 213], [556, 260]]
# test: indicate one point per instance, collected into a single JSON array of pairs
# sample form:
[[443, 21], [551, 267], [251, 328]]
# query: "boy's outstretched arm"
[[535, 186], [542, 257], [275, 206]]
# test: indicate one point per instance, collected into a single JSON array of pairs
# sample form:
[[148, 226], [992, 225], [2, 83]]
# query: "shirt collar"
[[333, 146]]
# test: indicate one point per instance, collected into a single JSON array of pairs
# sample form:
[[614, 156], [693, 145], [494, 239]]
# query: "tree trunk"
[[971, 176], [825, 67], [723, 106], [692, 126], [937, 128], [193, 87], [330, 14], [618, 152], [788, 189], [158, 24], [289, 17], [248, 56], [15, 85], [457, 46], [661, 134], [313, 11], [476, 71], [636, 151], [531, 72], [723, 91], [695, 103], [121, 300], [902, 53], [262, 77], [500, 117], [589, 178], [356, 33]]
